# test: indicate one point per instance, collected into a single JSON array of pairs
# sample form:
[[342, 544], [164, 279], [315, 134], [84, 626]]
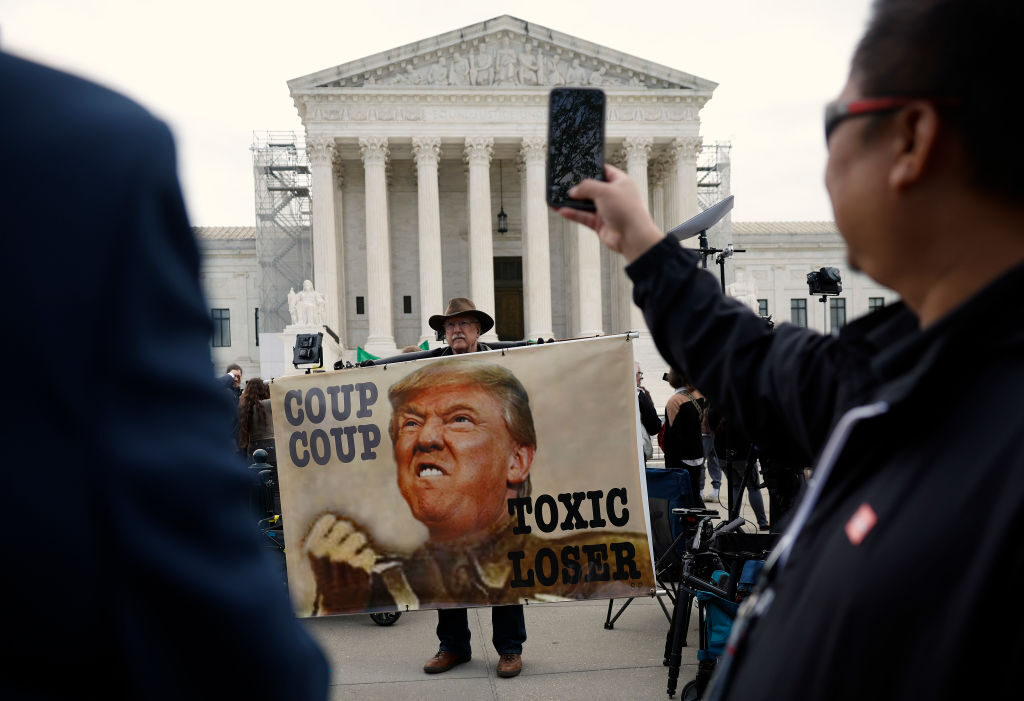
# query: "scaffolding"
[[713, 185], [284, 232], [713, 173]]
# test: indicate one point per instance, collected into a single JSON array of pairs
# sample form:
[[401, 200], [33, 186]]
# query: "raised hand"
[[342, 561]]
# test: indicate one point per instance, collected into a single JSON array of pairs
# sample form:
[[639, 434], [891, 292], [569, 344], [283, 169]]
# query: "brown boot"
[[510, 665], [443, 661]]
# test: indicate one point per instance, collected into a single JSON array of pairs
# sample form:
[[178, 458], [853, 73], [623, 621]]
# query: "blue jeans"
[[711, 460], [509, 630]]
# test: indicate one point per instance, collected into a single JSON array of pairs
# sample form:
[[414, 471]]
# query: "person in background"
[[711, 462], [649, 420], [254, 421], [685, 414], [232, 379], [740, 459]]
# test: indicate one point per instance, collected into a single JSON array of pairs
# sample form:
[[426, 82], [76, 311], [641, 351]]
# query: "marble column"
[[588, 280], [684, 193], [524, 225], [671, 216], [638, 149], [325, 247], [536, 247], [380, 340], [481, 246], [657, 178], [339, 228], [426, 151]]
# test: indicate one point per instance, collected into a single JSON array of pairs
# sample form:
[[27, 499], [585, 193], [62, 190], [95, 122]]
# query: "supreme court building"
[[410, 155], [413, 153]]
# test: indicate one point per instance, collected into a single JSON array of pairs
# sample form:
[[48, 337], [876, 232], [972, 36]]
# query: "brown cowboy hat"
[[460, 306]]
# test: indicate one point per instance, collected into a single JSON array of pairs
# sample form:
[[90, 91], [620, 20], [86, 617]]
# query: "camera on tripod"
[[825, 281]]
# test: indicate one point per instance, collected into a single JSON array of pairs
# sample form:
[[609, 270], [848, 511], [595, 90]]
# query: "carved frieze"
[[480, 109], [505, 59], [318, 111], [652, 113]]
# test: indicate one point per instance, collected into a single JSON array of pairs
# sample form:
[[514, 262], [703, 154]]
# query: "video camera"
[[308, 352], [825, 281]]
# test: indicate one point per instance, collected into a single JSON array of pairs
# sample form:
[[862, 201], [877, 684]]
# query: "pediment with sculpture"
[[502, 53]]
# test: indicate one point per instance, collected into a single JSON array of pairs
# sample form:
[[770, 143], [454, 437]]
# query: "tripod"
[[747, 476]]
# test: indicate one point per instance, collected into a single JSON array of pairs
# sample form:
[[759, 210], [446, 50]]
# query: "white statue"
[[307, 307], [550, 70], [438, 73], [529, 69], [744, 290], [576, 74], [458, 73], [481, 68], [507, 64]]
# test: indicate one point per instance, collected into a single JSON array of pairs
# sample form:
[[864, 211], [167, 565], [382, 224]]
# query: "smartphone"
[[575, 143]]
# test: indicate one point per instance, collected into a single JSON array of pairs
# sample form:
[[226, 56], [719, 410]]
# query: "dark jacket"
[[682, 434], [134, 566], [897, 585], [648, 414]]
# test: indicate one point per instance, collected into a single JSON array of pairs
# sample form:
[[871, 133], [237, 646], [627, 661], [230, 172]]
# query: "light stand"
[[699, 225]]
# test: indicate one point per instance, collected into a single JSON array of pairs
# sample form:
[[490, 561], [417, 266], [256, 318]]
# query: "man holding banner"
[[463, 324]]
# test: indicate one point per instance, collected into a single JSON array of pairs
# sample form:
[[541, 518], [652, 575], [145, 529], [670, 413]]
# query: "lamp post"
[[502, 217]]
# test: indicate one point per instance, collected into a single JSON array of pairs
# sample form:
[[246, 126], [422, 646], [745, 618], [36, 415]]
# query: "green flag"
[[362, 355], [425, 345]]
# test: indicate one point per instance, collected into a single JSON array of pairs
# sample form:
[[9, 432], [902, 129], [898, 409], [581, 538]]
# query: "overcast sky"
[[216, 72]]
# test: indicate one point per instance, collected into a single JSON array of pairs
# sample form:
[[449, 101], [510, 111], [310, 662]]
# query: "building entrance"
[[508, 298]]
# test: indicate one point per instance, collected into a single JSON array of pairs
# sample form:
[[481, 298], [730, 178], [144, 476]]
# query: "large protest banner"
[[471, 480]]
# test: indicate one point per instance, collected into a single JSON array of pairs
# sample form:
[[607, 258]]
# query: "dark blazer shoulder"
[[64, 101]]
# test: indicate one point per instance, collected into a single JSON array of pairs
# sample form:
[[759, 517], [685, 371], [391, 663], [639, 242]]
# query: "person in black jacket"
[[685, 419], [649, 419], [909, 415], [135, 569]]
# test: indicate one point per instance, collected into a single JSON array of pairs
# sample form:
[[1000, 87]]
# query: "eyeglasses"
[[452, 325], [836, 112]]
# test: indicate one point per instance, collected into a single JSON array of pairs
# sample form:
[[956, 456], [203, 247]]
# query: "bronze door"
[[508, 298]]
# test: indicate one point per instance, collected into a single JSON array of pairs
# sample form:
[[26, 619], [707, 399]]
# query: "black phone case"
[[585, 205]]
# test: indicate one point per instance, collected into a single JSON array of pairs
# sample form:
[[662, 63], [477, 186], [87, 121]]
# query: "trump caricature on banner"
[[497, 478]]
